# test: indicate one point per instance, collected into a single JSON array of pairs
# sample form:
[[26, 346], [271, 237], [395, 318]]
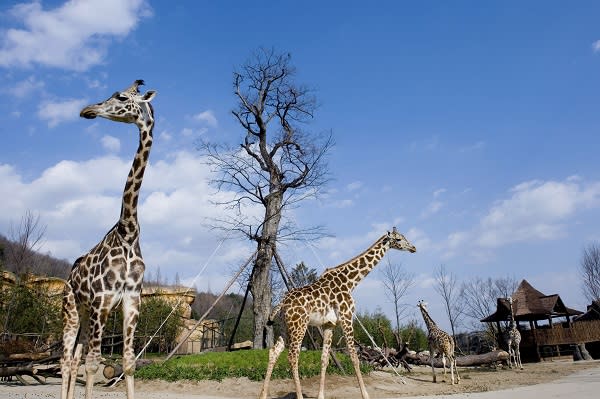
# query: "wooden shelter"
[[547, 325]]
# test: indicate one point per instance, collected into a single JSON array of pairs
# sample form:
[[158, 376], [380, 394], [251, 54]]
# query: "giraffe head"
[[128, 106], [422, 305], [398, 241]]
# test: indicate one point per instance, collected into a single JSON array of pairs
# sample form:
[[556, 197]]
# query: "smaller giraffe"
[[513, 339], [326, 303], [439, 342]]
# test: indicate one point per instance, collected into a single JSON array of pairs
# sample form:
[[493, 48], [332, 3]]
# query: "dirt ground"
[[380, 384]]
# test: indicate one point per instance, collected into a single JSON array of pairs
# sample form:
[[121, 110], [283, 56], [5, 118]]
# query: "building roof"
[[592, 313], [530, 304]]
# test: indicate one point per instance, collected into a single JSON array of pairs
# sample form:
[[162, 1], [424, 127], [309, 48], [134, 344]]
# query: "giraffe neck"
[[512, 313], [428, 320], [128, 222], [358, 267]]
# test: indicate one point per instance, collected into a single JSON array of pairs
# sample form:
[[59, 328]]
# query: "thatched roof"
[[592, 313], [530, 304]]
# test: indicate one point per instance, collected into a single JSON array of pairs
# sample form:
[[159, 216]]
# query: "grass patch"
[[250, 363]]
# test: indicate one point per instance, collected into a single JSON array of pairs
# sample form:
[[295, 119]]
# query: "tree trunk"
[[261, 278], [462, 361]]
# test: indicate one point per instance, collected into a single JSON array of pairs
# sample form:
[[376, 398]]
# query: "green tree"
[[301, 275], [154, 310], [377, 325], [29, 311]]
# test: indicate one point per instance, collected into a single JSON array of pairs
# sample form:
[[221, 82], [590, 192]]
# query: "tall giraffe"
[[325, 303], [513, 339], [112, 271], [440, 342]]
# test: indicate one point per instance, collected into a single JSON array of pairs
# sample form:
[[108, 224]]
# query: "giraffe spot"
[[116, 252], [127, 200], [110, 278], [97, 285]]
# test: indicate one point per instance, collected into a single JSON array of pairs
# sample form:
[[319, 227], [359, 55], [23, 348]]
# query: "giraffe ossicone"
[[439, 342], [325, 303], [112, 271]]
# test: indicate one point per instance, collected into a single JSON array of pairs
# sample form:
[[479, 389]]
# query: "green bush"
[[251, 364]]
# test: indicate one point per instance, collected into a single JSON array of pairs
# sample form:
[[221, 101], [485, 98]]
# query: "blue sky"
[[471, 127]]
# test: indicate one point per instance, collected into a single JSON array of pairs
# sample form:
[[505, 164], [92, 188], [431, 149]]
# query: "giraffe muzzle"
[[88, 113]]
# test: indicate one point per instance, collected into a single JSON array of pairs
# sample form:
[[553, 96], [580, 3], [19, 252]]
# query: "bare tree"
[[590, 271], [27, 237], [397, 281], [446, 285], [479, 297], [276, 166]]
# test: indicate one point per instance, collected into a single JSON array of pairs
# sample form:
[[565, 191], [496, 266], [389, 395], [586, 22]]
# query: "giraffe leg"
[[451, 364], [98, 317], [444, 364], [518, 358], [327, 336], [349, 336], [431, 356], [131, 309], [73, 371], [456, 370], [274, 353], [71, 327], [293, 355], [510, 353]]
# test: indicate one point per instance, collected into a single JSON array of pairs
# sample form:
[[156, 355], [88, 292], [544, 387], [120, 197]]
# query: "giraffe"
[[112, 271], [513, 339], [441, 342], [326, 303]]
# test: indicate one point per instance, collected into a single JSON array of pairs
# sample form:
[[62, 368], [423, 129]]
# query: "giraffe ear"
[[149, 95]]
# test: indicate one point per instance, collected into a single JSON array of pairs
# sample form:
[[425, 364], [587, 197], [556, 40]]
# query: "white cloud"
[[25, 87], [111, 143], [473, 147], [534, 210], [438, 192], [58, 112], [80, 201], [596, 46], [73, 36], [433, 208], [355, 185], [207, 117]]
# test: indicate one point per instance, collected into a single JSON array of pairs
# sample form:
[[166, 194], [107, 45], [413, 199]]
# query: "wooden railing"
[[580, 332]]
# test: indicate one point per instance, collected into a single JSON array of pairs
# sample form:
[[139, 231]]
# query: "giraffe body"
[[326, 303], [513, 339], [439, 342], [112, 272]]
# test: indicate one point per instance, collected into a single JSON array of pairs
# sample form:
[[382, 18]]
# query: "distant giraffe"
[[513, 339], [327, 302], [112, 271], [439, 342]]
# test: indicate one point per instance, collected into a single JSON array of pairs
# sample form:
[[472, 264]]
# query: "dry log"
[[462, 361], [114, 370], [29, 356], [16, 371]]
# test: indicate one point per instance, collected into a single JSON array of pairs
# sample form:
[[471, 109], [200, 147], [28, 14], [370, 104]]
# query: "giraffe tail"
[[274, 314]]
